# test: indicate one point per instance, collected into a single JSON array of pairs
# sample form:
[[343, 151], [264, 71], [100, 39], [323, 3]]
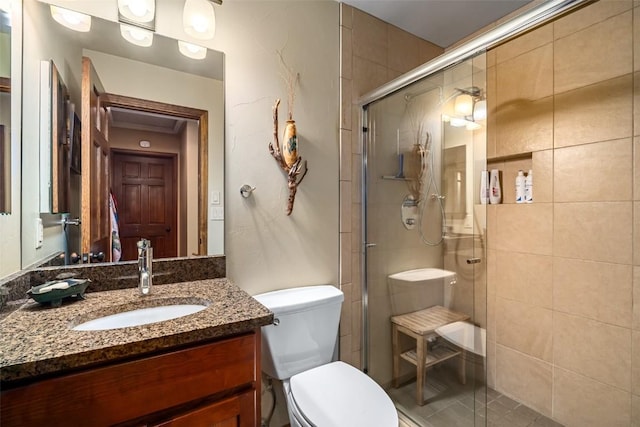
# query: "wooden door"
[[144, 186], [95, 227]]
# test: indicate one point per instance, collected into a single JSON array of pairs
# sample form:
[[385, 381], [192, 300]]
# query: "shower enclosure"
[[425, 148]]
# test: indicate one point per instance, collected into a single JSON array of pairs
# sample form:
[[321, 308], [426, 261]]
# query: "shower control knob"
[[473, 261]]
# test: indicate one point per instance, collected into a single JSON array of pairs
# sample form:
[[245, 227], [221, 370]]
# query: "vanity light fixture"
[[141, 13], [74, 20], [137, 36], [191, 50], [463, 104], [199, 19], [480, 110]]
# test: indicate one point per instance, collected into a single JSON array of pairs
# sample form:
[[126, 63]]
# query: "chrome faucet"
[[145, 271]]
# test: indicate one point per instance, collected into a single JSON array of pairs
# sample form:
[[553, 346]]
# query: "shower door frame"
[[536, 16]]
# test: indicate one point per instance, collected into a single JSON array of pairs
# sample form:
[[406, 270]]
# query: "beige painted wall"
[[266, 249], [564, 272]]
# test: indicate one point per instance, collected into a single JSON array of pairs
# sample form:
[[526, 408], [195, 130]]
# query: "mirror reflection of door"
[[144, 190], [5, 144], [95, 227]]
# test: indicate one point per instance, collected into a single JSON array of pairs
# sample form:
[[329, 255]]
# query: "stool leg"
[[421, 357], [395, 348]]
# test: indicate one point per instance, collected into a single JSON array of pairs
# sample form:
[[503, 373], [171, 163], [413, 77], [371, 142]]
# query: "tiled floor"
[[450, 404]]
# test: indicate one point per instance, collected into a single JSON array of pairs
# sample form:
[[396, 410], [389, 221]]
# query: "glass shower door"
[[425, 278]]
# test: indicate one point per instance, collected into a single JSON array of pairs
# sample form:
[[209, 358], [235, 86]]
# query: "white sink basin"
[[142, 316]]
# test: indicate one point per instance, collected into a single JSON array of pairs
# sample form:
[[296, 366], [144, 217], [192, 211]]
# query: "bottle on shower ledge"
[[528, 187], [520, 187], [495, 191], [484, 187]]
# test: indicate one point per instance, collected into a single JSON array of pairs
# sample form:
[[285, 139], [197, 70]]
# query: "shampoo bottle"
[[484, 187], [528, 187], [520, 187], [495, 195]]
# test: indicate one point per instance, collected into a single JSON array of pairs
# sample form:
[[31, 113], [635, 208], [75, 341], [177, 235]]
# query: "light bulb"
[[464, 104], [198, 19], [71, 19], [141, 11], [480, 110], [191, 50], [136, 35], [138, 8]]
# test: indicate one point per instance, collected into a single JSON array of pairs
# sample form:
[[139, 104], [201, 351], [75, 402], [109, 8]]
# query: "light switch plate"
[[215, 198], [216, 213]]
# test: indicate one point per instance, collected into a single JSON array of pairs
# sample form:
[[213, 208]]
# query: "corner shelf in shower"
[[510, 157]]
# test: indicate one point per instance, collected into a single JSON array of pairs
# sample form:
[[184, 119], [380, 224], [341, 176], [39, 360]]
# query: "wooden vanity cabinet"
[[211, 384]]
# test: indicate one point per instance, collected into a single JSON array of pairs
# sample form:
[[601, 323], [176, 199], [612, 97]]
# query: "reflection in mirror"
[[5, 111], [457, 182], [150, 103]]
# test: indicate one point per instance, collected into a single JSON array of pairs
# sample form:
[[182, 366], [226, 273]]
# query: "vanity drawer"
[[118, 393]]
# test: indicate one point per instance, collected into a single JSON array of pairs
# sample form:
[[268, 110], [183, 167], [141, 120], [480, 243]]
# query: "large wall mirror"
[[5, 110], [144, 132]]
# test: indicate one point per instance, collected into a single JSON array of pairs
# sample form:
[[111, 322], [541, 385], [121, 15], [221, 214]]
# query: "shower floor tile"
[[451, 404]]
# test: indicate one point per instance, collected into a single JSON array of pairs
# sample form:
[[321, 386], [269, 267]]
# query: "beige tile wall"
[[373, 52], [564, 272], [563, 291]]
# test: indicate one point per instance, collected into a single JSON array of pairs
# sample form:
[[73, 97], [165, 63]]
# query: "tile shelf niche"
[[510, 157]]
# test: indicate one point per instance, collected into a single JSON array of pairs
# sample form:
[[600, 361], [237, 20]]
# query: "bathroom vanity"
[[201, 369]]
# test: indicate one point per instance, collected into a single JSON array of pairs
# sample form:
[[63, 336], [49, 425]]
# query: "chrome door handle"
[[370, 245], [473, 261]]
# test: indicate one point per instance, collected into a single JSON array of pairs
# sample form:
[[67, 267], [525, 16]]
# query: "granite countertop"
[[37, 340]]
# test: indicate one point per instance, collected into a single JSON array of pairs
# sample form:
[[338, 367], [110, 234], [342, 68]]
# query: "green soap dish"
[[53, 292]]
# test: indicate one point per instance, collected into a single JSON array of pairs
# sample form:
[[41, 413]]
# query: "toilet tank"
[[305, 329], [418, 289]]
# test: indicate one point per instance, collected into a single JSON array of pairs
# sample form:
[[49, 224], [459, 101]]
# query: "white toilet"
[[298, 348]]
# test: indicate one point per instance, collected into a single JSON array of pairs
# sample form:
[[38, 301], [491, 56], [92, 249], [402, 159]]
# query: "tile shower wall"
[[564, 272], [373, 52]]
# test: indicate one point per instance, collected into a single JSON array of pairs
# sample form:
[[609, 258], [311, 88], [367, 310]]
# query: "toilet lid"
[[339, 395]]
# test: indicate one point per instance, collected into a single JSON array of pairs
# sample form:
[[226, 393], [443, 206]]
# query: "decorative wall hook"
[[293, 165]]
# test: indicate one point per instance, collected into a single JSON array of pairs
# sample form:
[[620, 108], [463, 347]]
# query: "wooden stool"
[[421, 325]]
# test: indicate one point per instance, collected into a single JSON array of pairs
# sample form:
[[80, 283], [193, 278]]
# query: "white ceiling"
[[442, 22]]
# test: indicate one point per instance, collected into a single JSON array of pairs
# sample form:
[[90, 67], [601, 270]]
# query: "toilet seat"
[[337, 395]]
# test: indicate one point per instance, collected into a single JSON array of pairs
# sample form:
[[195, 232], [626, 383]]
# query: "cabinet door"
[[236, 411]]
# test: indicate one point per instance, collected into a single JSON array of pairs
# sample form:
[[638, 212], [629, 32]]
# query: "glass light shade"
[[480, 110], [136, 35], [137, 10], [464, 104], [74, 20], [199, 19], [191, 50]]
